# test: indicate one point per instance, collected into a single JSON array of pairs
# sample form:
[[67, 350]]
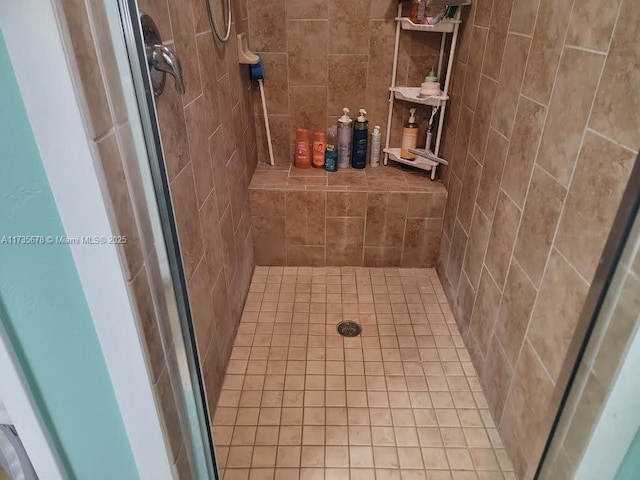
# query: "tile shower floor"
[[402, 401]]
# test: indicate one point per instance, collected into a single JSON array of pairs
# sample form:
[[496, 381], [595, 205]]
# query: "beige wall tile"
[[562, 295], [539, 222], [184, 204], [125, 222], [472, 174], [305, 218], [196, 118], [461, 147], [503, 235], [485, 312], [421, 240], [500, 15], [347, 76], [497, 377], [544, 57], [386, 215], [270, 34], [268, 232], [302, 255], [201, 307], [345, 240], [591, 24], [212, 236], [173, 130], [494, 161], [308, 108], [307, 49], [474, 67], [348, 26], [87, 61], [383, 9], [618, 115], [482, 118], [511, 76], [183, 26], [478, 240], [429, 205], [307, 9], [601, 175], [527, 412], [515, 310], [525, 139], [483, 12], [346, 204], [456, 257], [209, 76], [523, 16], [576, 85], [451, 207], [383, 256]]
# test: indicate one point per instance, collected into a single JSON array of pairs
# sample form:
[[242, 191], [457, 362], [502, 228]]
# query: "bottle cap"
[[412, 118], [432, 76], [362, 118], [376, 129], [345, 118]]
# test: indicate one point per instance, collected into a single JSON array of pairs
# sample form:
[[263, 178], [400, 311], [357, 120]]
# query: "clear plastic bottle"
[[331, 153]]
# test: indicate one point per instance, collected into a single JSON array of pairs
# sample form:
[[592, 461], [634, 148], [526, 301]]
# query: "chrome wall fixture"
[[161, 59]]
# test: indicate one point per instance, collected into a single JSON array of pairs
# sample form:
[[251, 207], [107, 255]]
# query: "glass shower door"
[[168, 279], [597, 433]]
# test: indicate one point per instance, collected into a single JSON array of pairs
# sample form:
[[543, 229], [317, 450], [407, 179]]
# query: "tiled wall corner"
[[543, 146], [322, 55]]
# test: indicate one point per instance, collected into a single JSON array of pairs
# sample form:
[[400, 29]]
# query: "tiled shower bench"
[[379, 217]]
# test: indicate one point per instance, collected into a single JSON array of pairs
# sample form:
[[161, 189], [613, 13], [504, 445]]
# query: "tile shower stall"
[[468, 288]]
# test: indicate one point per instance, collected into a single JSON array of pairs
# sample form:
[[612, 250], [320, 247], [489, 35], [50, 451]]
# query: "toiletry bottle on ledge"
[[360, 141], [376, 138], [319, 146], [345, 135], [303, 155], [331, 153], [409, 137]]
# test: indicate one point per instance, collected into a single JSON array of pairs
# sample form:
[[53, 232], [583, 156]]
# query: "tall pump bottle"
[[345, 135], [360, 141], [409, 137]]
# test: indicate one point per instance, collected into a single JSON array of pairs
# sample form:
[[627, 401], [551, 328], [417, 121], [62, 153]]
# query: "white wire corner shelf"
[[411, 94]]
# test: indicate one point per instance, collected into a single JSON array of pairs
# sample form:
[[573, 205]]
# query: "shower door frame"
[[134, 43], [628, 212]]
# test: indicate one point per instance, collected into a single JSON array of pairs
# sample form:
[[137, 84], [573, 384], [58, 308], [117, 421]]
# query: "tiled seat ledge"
[[378, 217]]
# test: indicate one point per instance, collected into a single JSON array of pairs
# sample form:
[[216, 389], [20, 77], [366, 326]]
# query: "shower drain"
[[349, 329]]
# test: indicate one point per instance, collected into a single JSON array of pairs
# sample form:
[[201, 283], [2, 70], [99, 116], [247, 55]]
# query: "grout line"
[[615, 142], [588, 50]]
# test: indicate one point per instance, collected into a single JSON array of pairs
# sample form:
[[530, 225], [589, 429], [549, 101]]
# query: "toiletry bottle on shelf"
[[331, 153], [409, 137], [376, 138], [360, 141], [319, 145], [345, 135], [415, 6], [303, 155]]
